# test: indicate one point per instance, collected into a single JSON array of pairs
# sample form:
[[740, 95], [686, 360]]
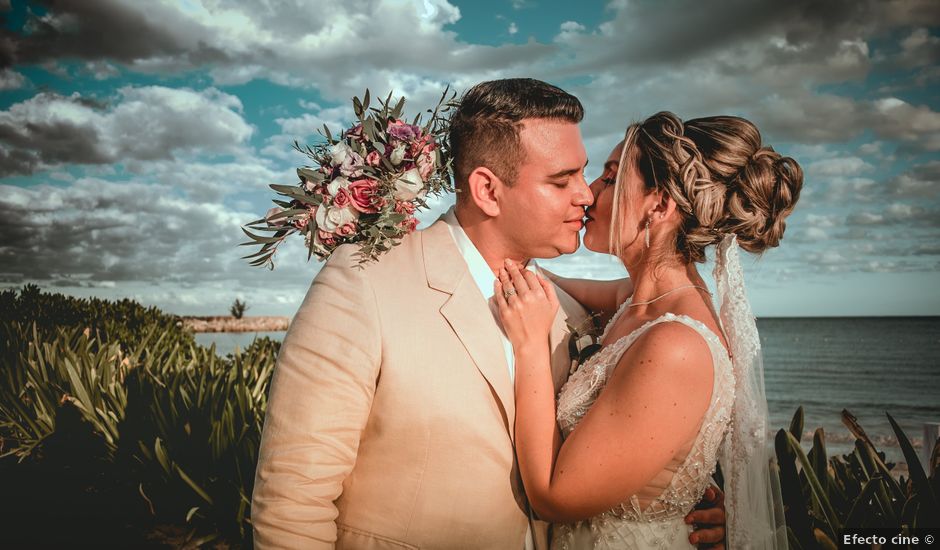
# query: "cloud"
[[101, 70], [897, 213], [920, 49], [921, 181], [12, 80], [144, 123], [840, 166], [128, 233], [513, 28], [297, 43]]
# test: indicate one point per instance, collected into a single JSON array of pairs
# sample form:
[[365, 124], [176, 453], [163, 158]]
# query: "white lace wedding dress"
[[654, 517]]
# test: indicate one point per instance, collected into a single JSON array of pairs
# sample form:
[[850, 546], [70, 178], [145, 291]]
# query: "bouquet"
[[364, 187]]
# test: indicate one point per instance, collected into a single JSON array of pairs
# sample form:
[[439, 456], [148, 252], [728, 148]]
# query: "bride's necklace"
[[668, 292]]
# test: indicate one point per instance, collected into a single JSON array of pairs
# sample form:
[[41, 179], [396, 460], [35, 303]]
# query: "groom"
[[390, 415]]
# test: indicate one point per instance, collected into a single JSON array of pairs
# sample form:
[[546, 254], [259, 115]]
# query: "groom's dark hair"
[[484, 129]]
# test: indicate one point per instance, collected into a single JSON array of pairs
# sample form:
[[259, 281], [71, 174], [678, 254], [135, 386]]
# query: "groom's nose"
[[582, 194]]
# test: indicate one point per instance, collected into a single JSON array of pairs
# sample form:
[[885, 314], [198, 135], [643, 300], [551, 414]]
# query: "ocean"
[[868, 365]]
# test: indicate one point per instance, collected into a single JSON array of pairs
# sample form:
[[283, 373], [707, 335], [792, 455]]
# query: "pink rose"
[[347, 229], [365, 197], [301, 223], [409, 224], [328, 239], [342, 198], [373, 158], [426, 161], [419, 144], [404, 207], [355, 132]]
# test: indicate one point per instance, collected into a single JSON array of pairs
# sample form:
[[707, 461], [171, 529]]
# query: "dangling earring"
[[648, 220]]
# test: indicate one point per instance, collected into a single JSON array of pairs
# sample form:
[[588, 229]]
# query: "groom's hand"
[[709, 520]]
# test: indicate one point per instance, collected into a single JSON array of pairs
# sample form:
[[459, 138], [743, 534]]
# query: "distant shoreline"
[[231, 324]]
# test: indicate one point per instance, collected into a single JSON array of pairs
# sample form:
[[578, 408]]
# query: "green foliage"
[[163, 428], [125, 321], [112, 417], [238, 309], [823, 495]]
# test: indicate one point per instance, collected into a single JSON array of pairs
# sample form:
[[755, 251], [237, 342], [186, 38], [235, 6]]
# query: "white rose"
[[351, 166], [398, 154], [330, 219], [338, 153], [409, 186], [334, 186]]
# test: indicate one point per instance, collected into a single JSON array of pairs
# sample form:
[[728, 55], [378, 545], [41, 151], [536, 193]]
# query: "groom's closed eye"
[[562, 177]]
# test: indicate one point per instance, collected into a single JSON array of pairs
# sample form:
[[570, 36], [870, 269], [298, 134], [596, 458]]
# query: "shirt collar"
[[480, 271]]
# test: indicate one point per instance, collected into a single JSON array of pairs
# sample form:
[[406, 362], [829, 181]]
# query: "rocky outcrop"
[[231, 324]]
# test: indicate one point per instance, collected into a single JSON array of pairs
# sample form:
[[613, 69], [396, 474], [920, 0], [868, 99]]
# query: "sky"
[[137, 137]]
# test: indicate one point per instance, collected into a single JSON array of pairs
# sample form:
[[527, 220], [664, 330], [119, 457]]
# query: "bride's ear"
[[485, 188], [663, 207]]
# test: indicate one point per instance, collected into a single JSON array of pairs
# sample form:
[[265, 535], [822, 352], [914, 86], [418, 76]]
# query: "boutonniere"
[[583, 342]]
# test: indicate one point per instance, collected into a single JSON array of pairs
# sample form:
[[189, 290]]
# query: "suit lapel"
[[468, 313]]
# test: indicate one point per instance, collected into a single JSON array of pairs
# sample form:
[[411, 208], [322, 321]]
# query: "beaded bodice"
[[658, 509]]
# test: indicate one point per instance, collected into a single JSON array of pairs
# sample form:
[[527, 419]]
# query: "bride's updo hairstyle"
[[721, 177]]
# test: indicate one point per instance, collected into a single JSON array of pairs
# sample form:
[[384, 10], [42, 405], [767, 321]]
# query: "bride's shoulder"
[[671, 347]]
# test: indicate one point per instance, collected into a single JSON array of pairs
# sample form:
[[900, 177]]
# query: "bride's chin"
[[591, 244]]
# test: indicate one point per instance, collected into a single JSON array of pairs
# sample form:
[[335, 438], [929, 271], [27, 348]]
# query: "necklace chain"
[[667, 293]]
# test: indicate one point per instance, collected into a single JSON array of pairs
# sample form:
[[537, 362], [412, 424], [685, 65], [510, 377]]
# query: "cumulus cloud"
[[920, 48], [921, 181], [297, 43], [792, 68], [11, 80], [97, 232], [144, 123], [895, 214]]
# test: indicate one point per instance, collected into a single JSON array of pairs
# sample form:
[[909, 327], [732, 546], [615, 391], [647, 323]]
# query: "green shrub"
[[146, 424], [113, 420], [824, 495]]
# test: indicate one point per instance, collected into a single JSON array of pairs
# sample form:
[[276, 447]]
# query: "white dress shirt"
[[485, 279]]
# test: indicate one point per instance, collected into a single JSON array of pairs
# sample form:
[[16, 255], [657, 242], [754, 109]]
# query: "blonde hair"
[[720, 175]]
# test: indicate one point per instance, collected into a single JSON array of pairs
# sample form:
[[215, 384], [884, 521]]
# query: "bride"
[[677, 386]]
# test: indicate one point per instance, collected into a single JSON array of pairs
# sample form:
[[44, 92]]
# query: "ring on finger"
[[509, 292]]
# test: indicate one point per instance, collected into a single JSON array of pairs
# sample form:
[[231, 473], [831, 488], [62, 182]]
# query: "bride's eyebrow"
[[611, 165]]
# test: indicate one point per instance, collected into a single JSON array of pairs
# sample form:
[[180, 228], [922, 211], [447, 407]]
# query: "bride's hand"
[[527, 305]]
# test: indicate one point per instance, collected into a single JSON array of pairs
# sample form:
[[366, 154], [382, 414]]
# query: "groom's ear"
[[485, 188]]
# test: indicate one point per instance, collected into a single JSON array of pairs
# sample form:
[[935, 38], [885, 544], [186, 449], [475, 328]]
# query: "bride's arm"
[[601, 297], [651, 406]]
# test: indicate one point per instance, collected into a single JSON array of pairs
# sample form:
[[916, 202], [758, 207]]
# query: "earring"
[[648, 220]]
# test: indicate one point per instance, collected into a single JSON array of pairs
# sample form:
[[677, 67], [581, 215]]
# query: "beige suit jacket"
[[390, 413]]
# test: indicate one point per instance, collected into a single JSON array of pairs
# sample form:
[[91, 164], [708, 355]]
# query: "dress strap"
[[621, 345], [617, 314]]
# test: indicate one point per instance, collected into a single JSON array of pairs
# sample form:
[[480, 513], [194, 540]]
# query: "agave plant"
[[197, 428], [128, 418], [825, 495]]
